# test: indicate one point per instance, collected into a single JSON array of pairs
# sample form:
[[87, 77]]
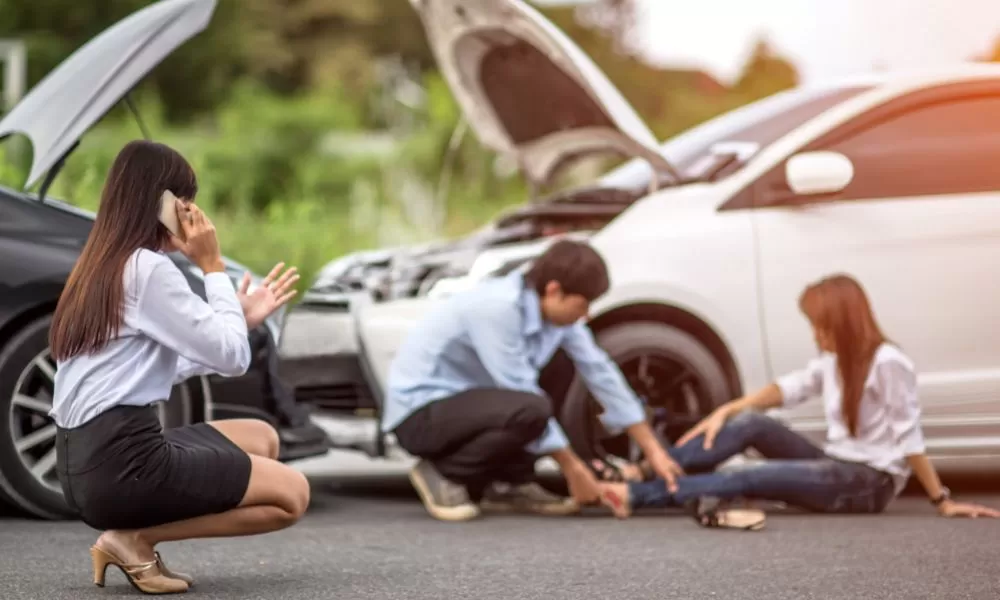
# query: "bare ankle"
[[615, 496]]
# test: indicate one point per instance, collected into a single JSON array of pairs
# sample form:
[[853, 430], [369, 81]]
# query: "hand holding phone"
[[169, 205], [194, 232]]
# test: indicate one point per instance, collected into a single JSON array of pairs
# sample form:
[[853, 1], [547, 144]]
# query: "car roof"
[[910, 78]]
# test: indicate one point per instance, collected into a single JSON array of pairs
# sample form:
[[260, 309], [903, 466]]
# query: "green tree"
[[196, 77], [765, 73]]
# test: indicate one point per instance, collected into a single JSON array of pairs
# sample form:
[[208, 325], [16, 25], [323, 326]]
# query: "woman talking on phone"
[[126, 329]]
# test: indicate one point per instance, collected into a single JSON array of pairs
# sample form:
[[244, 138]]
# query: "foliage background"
[[319, 127]]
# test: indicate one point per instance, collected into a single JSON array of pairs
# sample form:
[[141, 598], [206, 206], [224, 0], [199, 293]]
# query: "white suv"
[[889, 178]]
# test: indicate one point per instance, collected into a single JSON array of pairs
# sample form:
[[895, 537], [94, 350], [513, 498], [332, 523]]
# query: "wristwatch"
[[944, 495]]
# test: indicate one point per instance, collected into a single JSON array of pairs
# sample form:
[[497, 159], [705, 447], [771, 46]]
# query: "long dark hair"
[[91, 306], [839, 307]]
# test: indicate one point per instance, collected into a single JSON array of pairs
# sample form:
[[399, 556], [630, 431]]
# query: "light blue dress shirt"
[[493, 335]]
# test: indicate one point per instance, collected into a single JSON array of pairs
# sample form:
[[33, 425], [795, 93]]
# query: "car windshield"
[[760, 123]]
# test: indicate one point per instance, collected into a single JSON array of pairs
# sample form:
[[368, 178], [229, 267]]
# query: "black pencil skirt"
[[121, 470]]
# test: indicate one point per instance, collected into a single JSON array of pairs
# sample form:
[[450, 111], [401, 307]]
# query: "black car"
[[40, 241]]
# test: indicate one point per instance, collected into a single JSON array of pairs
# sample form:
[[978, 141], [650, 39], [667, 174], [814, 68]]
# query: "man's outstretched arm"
[[623, 411]]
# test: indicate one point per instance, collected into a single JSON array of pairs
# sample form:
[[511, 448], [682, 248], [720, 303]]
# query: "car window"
[[947, 147], [762, 122]]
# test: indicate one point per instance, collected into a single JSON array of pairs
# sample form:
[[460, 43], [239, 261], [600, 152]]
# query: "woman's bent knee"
[[276, 484], [300, 495]]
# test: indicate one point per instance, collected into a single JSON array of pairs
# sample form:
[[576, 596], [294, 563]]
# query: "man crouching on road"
[[463, 392]]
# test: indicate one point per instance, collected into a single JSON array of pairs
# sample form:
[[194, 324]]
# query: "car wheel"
[[675, 375], [27, 434]]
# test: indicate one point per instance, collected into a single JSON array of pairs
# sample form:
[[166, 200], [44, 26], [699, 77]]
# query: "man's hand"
[[582, 484], [950, 508], [657, 458], [667, 468]]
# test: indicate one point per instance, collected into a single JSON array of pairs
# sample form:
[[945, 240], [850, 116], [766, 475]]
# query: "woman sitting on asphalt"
[[874, 439]]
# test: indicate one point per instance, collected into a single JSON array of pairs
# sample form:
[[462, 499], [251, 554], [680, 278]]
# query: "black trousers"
[[478, 437]]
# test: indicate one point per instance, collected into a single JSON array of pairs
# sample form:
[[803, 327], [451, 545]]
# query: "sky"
[[824, 38]]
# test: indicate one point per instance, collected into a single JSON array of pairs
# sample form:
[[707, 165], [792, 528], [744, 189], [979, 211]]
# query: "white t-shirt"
[[888, 417], [168, 334]]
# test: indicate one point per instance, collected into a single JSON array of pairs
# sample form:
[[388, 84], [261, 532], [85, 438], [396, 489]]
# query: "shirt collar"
[[531, 307]]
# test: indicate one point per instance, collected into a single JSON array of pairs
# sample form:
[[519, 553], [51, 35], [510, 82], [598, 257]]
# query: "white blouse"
[[169, 334], [888, 418]]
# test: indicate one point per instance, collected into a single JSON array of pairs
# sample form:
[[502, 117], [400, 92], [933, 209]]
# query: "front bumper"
[[318, 357]]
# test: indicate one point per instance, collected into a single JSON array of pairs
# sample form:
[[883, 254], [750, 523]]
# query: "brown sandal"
[[605, 470], [146, 577], [608, 471]]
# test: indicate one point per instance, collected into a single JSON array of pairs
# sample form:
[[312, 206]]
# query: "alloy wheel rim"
[[32, 430], [670, 389]]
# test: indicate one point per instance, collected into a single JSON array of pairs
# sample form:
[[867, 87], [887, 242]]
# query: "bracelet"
[[944, 495]]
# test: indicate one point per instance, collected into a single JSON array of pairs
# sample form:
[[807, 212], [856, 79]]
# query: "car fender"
[[734, 319], [33, 303], [33, 277]]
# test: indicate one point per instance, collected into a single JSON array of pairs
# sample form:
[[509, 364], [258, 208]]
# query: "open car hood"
[[527, 90], [77, 93]]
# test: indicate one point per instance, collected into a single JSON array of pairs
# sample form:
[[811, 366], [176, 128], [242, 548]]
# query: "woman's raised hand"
[[273, 293]]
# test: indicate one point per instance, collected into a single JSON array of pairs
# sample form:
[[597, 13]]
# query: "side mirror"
[[813, 173]]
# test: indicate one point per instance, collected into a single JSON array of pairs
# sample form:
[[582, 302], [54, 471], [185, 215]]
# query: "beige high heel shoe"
[[166, 571], [146, 577]]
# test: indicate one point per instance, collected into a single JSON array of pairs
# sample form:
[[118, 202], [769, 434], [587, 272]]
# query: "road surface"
[[367, 537]]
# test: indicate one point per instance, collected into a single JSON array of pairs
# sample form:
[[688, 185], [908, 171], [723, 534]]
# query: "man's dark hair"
[[577, 267]]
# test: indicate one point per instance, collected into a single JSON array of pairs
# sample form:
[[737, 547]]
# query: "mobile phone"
[[168, 214]]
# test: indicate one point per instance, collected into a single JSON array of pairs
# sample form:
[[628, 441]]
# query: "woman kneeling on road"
[[874, 439], [126, 329]]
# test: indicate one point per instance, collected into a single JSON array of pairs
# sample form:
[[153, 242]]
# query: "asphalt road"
[[368, 537]]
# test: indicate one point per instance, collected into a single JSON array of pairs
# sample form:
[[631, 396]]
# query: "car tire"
[[25, 371], [708, 387]]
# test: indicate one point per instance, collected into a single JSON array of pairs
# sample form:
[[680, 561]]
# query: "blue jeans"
[[796, 472]]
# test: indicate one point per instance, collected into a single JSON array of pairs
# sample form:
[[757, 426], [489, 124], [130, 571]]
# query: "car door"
[[919, 227]]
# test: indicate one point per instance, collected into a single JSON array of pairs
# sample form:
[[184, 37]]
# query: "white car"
[[890, 178]]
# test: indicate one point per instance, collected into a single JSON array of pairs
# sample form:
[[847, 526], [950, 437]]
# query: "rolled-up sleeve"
[[495, 333], [798, 386], [622, 408], [897, 386]]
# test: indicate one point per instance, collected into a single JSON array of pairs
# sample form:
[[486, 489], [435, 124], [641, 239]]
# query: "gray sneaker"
[[527, 498], [443, 499]]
